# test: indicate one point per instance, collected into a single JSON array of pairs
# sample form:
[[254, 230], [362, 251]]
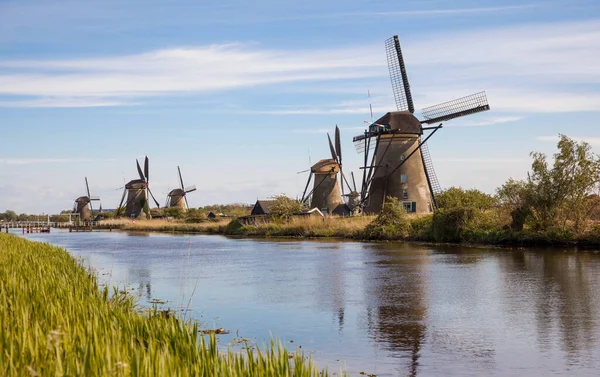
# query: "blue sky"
[[238, 93]]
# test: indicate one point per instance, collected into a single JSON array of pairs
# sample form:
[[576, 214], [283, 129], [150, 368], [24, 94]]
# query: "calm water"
[[387, 309]]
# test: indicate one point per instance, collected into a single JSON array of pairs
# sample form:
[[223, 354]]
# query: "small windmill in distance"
[[326, 193], [83, 204], [137, 191], [178, 197]]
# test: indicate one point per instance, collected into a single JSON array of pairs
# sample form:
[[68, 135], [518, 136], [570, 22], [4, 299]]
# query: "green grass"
[[55, 321]]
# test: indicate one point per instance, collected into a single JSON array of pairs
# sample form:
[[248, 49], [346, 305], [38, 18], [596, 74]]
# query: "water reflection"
[[560, 286], [396, 290]]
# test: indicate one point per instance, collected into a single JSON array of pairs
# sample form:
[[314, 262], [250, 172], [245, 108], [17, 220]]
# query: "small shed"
[[315, 212], [342, 210], [211, 215], [262, 207]]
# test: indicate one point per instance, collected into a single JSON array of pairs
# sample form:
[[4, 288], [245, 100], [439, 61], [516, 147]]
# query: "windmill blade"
[[87, 187], [140, 172], [180, 178], [398, 76], [152, 195], [474, 103], [94, 198], [332, 149], [306, 188], [189, 189], [120, 207], [303, 171], [338, 144], [146, 169], [344, 180], [353, 181], [187, 205]]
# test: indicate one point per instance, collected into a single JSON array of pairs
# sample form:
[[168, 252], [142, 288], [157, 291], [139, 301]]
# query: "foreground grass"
[[54, 321]]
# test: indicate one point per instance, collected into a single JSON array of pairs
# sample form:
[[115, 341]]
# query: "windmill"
[[178, 197], [326, 189], [137, 191], [83, 204], [400, 164]]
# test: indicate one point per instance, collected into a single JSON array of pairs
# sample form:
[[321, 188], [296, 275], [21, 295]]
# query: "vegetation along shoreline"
[[56, 320]]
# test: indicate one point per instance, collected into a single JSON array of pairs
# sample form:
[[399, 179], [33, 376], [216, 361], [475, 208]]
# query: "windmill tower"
[[137, 191], [178, 197], [83, 204], [396, 158], [326, 191]]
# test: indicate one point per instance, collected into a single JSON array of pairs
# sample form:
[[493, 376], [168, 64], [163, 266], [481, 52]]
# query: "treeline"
[[557, 203], [9, 215]]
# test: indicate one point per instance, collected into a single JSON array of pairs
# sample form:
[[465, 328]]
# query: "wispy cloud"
[[525, 68], [414, 13], [489, 121]]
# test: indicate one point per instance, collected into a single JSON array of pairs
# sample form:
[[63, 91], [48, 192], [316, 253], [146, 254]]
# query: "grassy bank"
[[342, 227], [160, 225], [55, 321]]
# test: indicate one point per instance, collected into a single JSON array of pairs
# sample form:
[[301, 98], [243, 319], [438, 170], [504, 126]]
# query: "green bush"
[[392, 223], [421, 228], [234, 228], [450, 224]]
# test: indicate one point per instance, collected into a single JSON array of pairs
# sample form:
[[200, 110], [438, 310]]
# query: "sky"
[[241, 94]]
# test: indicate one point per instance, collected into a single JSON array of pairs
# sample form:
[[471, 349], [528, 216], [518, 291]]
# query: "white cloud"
[[488, 121], [524, 68]]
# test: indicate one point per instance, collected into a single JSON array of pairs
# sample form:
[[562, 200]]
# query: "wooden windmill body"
[[407, 183], [137, 199], [137, 192], [328, 192], [83, 204], [397, 162], [177, 198]]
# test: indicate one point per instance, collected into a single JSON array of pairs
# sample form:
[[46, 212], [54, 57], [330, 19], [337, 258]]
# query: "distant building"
[[262, 207]]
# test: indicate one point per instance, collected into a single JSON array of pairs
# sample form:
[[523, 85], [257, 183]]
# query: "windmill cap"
[[402, 121], [136, 184], [325, 166], [177, 192], [82, 199]]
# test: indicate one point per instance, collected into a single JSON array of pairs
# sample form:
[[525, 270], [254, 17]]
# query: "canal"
[[385, 309]]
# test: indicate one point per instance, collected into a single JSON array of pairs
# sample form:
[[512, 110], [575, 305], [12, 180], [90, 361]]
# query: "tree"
[[10, 215], [284, 207], [457, 197], [561, 193], [513, 195]]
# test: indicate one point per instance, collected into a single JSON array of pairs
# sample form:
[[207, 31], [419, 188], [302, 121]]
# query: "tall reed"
[[55, 321]]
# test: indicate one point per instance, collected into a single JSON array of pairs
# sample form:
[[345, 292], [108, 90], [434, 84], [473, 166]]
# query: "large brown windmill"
[[326, 193], [83, 204], [178, 197], [137, 191], [400, 165]]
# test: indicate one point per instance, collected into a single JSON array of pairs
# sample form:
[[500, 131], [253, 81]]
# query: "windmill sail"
[[398, 76], [474, 103]]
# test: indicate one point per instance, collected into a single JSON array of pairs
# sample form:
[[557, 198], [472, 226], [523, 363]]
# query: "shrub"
[[392, 223], [450, 224], [421, 228]]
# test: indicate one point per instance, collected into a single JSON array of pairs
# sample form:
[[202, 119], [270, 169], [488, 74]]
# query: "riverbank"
[[418, 229], [54, 320], [216, 226]]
